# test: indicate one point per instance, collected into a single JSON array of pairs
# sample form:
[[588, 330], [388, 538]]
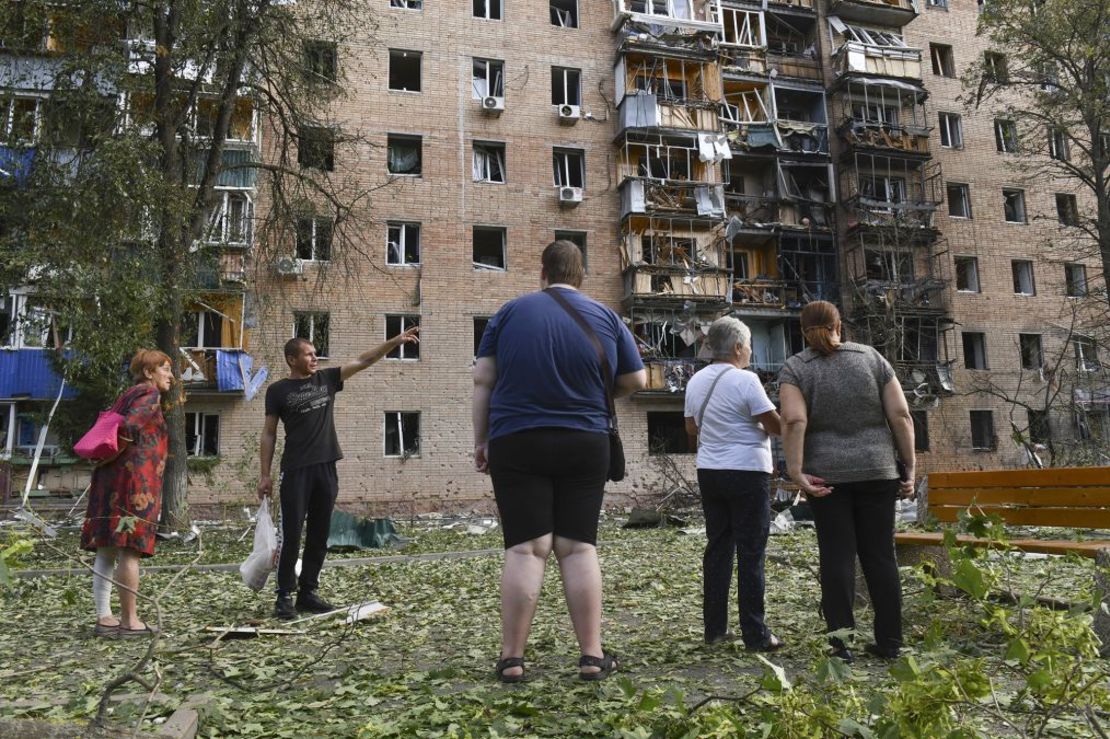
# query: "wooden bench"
[[1063, 497]]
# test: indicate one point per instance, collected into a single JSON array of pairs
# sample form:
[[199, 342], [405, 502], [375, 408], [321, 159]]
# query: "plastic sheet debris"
[[356, 612], [696, 531], [473, 528], [649, 518], [783, 523], [360, 533], [905, 511]]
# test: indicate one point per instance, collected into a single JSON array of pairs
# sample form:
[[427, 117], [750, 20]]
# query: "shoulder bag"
[[616, 447], [102, 442]]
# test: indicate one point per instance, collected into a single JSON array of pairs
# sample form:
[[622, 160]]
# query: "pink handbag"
[[102, 440]]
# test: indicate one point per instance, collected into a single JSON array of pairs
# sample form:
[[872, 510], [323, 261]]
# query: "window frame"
[[404, 228], [677, 421], [1017, 196], [974, 345], [308, 149], [573, 235], [1058, 147], [1020, 269], [943, 58], [399, 417], [920, 421], [569, 156], [1069, 214], [1006, 136], [313, 317], [319, 54], [417, 5], [1025, 348], [996, 67], [944, 123], [965, 191], [199, 424], [314, 221], [490, 6], [404, 321], [987, 422], [974, 274], [503, 232], [492, 78], [493, 154], [479, 334], [1069, 282], [565, 73], [405, 54], [576, 16], [220, 218], [401, 138]]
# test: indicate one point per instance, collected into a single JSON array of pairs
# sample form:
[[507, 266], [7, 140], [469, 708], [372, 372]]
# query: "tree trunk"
[[175, 481]]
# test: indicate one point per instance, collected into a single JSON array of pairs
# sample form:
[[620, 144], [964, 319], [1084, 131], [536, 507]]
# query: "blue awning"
[[27, 374]]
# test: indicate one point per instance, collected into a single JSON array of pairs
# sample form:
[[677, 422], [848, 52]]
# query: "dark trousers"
[[737, 505], [857, 519], [307, 499]]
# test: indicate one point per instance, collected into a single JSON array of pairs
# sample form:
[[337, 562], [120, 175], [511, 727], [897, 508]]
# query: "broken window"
[[982, 430], [404, 154], [1032, 355], [565, 86], [872, 113], [1014, 205], [313, 326], [884, 189], [995, 67], [888, 266], [402, 434], [665, 163], [1058, 147], [575, 237], [489, 247], [321, 61], [230, 220], [1086, 354], [398, 324], [403, 244], [1093, 424], [1040, 430], [668, 89], [202, 434], [489, 162], [316, 148], [975, 350], [920, 430], [480, 323], [743, 27], [942, 4], [314, 237], [19, 119], [202, 329], [967, 274], [959, 200], [873, 37], [564, 13], [667, 433], [488, 78], [487, 9], [1005, 136], [944, 62], [407, 4], [951, 130], [1075, 280], [404, 70], [569, 167], [1067, 210]]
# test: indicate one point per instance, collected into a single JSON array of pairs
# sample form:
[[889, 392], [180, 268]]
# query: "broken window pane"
[[313, 327], [202, 434], [975, 350], [1032, 357], [403, 244], [959, 200], [489, 162], [489, 247], [316, 148], [488, 9], [667, 433], [404, 70], [398, 324], [577, 237], [967, 274], [321, 60], [982, 430], [1075, 277], [1067, 209], [1014, 205], [488, 78], [1086, 354], [1040, 430], [569, 167], [402, 433], [944, 62], [314, 237], [995, 67], [564, 13], [565, 86], [404, 154]]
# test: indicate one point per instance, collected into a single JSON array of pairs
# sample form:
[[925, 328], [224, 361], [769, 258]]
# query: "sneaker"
[[308, 600], [283, 607]]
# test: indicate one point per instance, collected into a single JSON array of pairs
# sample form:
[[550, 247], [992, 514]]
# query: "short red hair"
[[147, 360]]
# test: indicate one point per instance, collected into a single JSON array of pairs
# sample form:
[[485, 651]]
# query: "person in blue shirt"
[[541, 431]]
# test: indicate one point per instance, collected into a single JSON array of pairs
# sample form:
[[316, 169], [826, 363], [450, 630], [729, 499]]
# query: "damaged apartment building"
[[710, 157]]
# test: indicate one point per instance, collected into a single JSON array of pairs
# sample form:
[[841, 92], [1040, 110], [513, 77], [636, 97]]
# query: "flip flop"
[[508, 663], [607, 664], [127, 633], [105, 630]]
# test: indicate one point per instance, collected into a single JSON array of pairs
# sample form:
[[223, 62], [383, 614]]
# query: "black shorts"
[[549, 481]]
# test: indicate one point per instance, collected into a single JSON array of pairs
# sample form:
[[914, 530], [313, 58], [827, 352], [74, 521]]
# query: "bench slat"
[[1051, 477], [1083, 548], [1091, 497], [1080, 518]]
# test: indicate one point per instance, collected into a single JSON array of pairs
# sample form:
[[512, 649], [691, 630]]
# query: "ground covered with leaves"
[[976, 665]]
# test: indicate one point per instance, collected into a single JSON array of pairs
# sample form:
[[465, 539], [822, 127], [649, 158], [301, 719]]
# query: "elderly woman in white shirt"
[[729, 411]]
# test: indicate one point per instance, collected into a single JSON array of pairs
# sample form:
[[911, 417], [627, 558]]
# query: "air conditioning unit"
[[570, 196], [289, 266], [569, 114], [493, 105]]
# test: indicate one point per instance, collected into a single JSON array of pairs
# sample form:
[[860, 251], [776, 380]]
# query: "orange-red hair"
[[147, 360]]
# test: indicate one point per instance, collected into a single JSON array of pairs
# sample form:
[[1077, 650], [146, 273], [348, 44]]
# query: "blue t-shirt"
[[548, 372]]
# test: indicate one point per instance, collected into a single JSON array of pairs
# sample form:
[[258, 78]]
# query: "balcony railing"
[[910, 139], [220, 370], [743, 60], [795, 65], [880, 12], [649, 196], [652, 282], [793, 136], [699, 16], [781, 294], [755, 211], [645, 110], [888, 61], [670, 376]]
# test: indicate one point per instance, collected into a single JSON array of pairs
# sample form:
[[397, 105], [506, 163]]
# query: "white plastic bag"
[[263, 559]]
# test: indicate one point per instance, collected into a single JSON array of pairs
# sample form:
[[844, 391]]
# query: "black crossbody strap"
[[606, 374]]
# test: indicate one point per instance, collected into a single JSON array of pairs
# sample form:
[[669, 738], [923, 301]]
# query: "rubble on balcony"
[[664, 260]]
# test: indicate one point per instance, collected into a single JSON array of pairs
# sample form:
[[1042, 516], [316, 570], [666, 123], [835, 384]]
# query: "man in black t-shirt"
[[303, 402]]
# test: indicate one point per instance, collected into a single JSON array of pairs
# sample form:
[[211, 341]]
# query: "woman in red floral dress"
[[126, 496]]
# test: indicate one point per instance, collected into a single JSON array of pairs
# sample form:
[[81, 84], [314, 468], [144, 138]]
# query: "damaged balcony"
[[213, 340], [672, 175], [667, 92], [776, 274], [882, 53], [764, 194], [673, 261], [792, 44], [677, 17], [800, 118], [898, 274], [917, 344], [878, 113], [743, 45], [883, 12], [785, 118], [671, 342], [890, 191], [773, 340]]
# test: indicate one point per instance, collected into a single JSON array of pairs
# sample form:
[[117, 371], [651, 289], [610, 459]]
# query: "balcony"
[[220, 371], [880, 12], [668, 377], [801, 66], [688, 16], [887, 61], [647, 111], [649, 196], [658, 283], [869, 135]]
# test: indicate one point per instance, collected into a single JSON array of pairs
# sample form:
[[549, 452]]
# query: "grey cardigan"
[[847, 436]]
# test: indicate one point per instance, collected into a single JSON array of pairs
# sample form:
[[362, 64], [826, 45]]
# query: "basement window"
[[402, 244], [202, 434], [398, 324], [489, 162], [404, 154], [314, 236], [667, 433], [982, 431], [564, 13], [489, 247], [404, 70], [402, 434]]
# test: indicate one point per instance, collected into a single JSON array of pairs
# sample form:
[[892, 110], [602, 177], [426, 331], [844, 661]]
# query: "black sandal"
[[508, 663], [607, 664]]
